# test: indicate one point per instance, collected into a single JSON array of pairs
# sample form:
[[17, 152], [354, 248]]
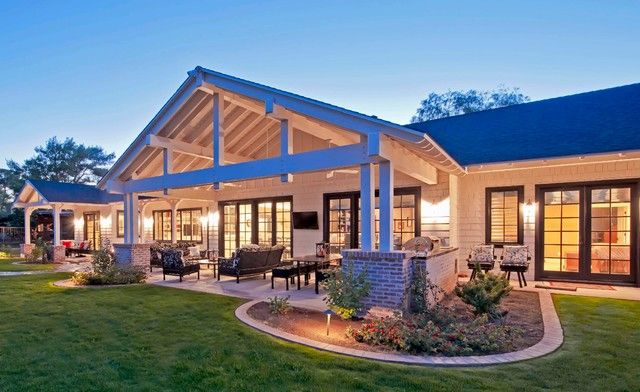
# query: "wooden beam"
[[404, 160], [185, 194], [194, 150], [333, 158], [313, 127], [218, 130]]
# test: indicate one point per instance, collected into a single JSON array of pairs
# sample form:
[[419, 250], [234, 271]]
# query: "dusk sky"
[[99, 71]]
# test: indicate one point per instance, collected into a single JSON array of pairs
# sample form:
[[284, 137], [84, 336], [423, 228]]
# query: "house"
[[228, 162]]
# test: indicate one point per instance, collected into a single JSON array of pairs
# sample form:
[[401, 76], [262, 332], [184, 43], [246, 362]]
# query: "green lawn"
[[7, 265], [153, 338]]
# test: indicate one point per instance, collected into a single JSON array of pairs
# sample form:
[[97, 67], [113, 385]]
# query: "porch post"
[[174, 212], [27, 225], [56, 223], [386, 206], [367, 206], [131, 218], [286, 146]]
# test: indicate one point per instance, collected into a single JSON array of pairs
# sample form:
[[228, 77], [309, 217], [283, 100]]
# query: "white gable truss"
[[217, 128]]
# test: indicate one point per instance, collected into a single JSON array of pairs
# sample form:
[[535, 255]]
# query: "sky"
[[99, 71]]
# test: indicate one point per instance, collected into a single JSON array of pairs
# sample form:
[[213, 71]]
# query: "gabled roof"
[[597, 122], [60, 192]]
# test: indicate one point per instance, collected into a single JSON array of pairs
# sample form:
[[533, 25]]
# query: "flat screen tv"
[[307, 220]]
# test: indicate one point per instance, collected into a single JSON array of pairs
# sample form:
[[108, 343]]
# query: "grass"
[[155, 338], [7, 265]]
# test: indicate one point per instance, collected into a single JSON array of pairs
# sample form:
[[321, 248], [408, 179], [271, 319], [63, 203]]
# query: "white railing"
[[11, 235]]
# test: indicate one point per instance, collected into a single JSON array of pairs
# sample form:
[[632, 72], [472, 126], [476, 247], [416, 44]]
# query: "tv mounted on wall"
[[306, 220]]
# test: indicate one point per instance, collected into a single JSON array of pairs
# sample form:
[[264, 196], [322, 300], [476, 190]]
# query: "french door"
[[588, 232], [92, 229], [261, 221]]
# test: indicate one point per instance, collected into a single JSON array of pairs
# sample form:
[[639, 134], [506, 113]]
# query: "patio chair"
[[155, 259], [174, 264], [515, 258], [481, 256], [251, 260]]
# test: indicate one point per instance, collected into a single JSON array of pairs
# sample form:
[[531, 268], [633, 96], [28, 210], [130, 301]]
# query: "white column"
[[174, 213], [131, 218], [367, 206], [218, 133], [27, 225], [386, 206], [56, 223], [286, 146]]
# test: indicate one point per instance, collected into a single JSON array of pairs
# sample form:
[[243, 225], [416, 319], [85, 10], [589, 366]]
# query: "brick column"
[[58, 254], [134, 254], [26, 249], [388, 272]]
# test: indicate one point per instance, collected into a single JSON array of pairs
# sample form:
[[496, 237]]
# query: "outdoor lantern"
[[328, 312], [529, 211]]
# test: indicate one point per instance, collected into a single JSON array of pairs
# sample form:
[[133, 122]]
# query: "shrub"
[[419, 334], [424, 294], [345, 291], [484, 293], [102, 261], [39, 252], [115, 276], [279, 305]]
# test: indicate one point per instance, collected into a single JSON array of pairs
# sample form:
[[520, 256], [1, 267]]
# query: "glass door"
[[339, 224], [588, 233], [561, 224], [611, 235], [92, 229]]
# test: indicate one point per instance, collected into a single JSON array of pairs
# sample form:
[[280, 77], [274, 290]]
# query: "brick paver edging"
[[550, 342]]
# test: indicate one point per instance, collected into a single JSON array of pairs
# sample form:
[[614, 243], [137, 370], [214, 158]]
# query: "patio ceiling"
[[181, 135]]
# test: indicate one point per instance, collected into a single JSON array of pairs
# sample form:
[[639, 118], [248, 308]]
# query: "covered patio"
[[245, 155]]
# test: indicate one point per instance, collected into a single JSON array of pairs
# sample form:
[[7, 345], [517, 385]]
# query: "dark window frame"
[[118, 214], [487, 218], [254, 216], [153, 217], [355, 206], [179, 213]]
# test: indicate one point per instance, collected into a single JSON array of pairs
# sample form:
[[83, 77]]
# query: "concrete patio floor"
[[250, 288]]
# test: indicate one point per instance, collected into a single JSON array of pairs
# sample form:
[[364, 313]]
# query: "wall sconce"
[[147, 223], [214, 218], [529, 211], [105, 221], [204, 220], [78, 223]]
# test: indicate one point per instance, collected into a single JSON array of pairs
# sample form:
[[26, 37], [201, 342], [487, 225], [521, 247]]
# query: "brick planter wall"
[[388, 272], [26, 249], [136, 254], [58, 254]]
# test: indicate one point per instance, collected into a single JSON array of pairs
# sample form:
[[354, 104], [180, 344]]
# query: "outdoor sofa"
[[251, 260]]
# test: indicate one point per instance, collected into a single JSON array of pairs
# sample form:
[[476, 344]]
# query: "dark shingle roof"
[[73, 193], [602, 121]]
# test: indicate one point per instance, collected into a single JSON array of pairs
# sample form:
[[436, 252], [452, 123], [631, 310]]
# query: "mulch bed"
[[523, 312]]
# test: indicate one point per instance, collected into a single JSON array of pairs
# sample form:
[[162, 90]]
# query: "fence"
[[11, 235]]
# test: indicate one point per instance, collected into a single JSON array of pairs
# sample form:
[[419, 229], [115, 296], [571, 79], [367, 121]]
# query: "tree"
[[453, 103], [64, 161]]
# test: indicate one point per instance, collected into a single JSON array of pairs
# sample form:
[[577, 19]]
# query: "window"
[[342, 213], [188, 225], [162, 225], [265, 222], [120, 224], [504, 223]]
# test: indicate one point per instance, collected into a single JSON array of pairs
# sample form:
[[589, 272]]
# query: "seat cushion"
[[172, 258], [515, 255], [481, 254]]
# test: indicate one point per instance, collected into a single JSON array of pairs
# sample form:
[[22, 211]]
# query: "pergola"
[[218, 129]]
